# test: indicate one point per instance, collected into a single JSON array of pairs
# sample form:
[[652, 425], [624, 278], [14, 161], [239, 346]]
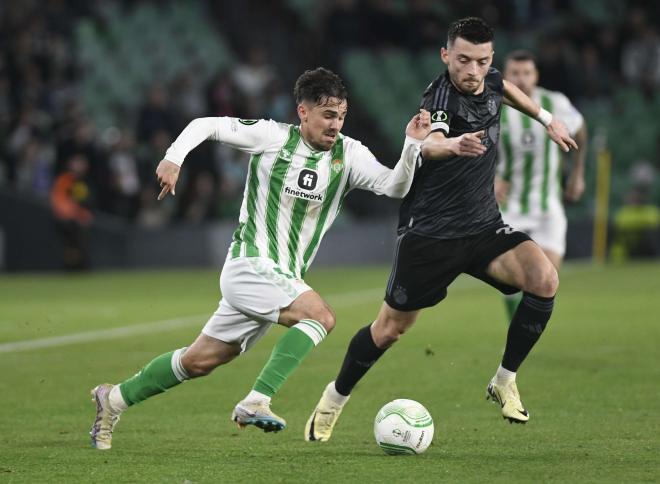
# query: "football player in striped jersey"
[[297, 179]]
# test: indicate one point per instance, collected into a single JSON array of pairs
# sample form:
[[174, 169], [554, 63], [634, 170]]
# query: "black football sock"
[[526, 327], [361, 355]]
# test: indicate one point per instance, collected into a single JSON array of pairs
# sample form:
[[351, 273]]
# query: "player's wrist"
[[413, 141], [544, 117]]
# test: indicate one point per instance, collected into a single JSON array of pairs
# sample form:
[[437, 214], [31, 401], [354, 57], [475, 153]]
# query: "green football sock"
[[287, 355], [511, 302], [160, 374]]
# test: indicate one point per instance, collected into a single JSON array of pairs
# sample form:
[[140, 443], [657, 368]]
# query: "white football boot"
[[259, 414], [323, 419], [106, 419], [506, 394]]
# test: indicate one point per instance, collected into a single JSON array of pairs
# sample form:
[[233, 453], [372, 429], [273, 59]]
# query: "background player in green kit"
[[529, 174], [298, 177]]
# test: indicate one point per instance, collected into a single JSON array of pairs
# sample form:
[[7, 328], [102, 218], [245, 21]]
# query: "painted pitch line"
[[336, 300], [340, 300]]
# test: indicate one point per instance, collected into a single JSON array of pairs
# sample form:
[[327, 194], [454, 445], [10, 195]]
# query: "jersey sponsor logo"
[[296, 192], [337, 165], [439, 117], [307, 179], [248, 122]]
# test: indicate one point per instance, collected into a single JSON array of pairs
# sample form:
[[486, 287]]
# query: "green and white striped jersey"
[[292, 192], [529, 160]]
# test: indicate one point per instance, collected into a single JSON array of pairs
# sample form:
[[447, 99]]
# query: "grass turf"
[[591, 385]]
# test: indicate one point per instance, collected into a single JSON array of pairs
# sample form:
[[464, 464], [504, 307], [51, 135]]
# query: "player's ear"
[[302, 112], [444, 55]]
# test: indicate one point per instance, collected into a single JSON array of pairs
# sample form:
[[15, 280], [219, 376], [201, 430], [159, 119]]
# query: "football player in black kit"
[[450, 224]]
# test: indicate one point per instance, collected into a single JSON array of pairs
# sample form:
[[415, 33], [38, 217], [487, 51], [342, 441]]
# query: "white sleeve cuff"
[[544, 117], [172, 155]]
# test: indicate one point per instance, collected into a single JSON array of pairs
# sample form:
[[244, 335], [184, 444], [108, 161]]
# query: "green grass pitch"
[[592, 385]]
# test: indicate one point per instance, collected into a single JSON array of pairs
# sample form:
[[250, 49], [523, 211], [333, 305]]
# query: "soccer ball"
[[403, 427]]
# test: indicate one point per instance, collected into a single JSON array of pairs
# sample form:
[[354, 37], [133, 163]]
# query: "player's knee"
[[545, 282], [327, 319], [385, 335]]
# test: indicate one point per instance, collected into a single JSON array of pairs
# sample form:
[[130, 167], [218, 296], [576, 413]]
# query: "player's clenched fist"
[[419, 126], [167, 174]]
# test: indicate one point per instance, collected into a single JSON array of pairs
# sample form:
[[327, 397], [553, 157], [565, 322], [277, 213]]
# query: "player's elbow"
[[397, 192]]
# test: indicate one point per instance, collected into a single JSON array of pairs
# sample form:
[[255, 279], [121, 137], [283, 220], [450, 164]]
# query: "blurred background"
[[93, 92]]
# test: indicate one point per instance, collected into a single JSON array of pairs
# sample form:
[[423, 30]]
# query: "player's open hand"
[[559, 134], [469, 144], [167, 174], [419, 126]]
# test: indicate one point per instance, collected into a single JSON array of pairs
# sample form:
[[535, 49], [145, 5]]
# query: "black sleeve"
[[435, 100]]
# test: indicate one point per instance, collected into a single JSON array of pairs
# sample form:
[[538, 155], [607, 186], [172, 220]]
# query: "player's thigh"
[[234, 327], [526, 267], [258, 288], [555, 258], [309, 305]]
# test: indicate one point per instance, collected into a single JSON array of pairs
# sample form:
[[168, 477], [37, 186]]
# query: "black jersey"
[[455, 197]]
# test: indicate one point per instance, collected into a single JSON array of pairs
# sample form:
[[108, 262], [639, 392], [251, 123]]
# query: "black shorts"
[[424, 267]]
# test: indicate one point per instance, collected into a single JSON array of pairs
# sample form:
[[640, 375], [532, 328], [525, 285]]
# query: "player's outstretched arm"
[[368, 174], [557, 131], [248, 136], [438, 147]]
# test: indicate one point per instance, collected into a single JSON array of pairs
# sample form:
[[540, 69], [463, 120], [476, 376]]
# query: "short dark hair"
[[472, 29], [318, 85], [520, 55]]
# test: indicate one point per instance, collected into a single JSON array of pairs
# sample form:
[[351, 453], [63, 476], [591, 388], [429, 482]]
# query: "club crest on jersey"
[[307, 179], [285, 154], [337, 165], [527, 138], [492, 106]]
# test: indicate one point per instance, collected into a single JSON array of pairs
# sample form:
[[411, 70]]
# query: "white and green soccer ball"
[[403, 427]]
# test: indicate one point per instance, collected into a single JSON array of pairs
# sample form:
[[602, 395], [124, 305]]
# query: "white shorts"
[[254, 290], [548, 229]]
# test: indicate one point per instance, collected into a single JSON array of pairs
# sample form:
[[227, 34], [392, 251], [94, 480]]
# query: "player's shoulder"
[[351, 144], [353, 149], [495, 79], [438, 83], [436, 94], [274, 133]]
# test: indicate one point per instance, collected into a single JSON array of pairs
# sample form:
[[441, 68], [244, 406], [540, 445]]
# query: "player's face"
[[468, 64], [320, 124], [523, 74]]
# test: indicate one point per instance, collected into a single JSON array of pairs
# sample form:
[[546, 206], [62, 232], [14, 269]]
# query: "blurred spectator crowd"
[[46, 132]]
